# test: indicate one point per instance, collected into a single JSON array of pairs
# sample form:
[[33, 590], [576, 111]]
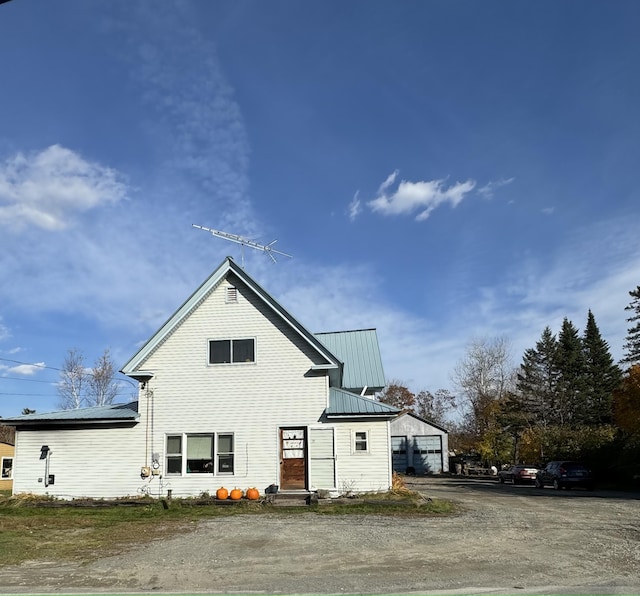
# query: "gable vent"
[[232, 294]]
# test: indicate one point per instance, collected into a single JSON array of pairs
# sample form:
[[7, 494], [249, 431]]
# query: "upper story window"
[[224, 351]]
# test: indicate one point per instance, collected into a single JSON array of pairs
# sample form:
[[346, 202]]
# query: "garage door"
[[427, 454]]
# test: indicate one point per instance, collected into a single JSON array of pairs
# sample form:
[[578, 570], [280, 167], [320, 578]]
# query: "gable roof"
[[429, 422], [93, 415], [343, 404], [360, 353], [227, 268]]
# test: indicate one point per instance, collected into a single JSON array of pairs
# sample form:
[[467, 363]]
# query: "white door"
[[322, 458]]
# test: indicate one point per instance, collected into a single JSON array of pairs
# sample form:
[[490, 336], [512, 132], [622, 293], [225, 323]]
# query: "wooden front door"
[[293, 459]]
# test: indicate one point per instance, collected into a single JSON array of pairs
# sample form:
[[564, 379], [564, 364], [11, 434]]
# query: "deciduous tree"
[[397, 395], [80, 386], [434, 406], [484, 376]]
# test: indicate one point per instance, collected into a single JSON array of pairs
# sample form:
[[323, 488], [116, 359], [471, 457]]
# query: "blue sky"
[[441, 171]]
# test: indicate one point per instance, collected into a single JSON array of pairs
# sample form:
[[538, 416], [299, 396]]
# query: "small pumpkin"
[[236, 494], [222, 493], [253, 494]]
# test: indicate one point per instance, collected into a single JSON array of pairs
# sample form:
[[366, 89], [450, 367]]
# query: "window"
[[7, 468], [199, 455], [361, 441], [225, 454], [174, 454], [224, 351]]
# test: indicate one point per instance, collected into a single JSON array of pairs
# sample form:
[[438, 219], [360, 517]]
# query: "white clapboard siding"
[[363, 471], [93, 462], [250, 400]]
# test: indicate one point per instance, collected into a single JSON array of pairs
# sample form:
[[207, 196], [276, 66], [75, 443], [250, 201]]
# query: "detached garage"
[[417, 445]]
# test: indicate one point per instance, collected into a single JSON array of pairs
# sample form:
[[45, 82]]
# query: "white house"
[[234, 392], [419, 445]]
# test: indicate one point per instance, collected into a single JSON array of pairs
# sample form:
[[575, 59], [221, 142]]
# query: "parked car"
[[518, 473], [565, 474]]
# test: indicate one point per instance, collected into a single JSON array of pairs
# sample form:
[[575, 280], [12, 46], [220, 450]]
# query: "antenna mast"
[[267, 249]]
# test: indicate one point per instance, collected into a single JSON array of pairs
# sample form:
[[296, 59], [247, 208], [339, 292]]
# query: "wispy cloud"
[[355, 206], [423, 197], [48, 188], [194, 123], [488, 190], [4, 331], [127, 267]]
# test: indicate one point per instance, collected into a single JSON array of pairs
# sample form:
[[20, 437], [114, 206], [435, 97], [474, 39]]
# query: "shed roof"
[[96, 414], [345, 404], [360, 353]]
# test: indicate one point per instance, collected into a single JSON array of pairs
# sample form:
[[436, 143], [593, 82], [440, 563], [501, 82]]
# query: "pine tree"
[[602, 375], [571, 380], [632, 347], [538, 378]]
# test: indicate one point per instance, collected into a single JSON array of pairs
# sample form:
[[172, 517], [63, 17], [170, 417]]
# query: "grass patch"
[[36, 528]]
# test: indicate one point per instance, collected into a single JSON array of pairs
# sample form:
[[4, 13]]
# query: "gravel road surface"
[[507, 539]]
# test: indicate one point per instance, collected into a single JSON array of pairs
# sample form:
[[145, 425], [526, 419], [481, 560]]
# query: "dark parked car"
[[565, 474], [518, 473]]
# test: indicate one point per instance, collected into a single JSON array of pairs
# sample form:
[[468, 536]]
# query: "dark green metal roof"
[[345, 404]]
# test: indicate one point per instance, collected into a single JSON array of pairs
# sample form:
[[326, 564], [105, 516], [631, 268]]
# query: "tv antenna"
[[267, 249]]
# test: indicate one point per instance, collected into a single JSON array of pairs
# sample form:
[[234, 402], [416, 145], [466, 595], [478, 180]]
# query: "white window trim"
[[232, 339], [183, 455], [10, 476], [355, 440]]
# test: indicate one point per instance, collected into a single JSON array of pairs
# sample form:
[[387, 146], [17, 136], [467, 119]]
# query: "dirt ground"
[[507, 539]]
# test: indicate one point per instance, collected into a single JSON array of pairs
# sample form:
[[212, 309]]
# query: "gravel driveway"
[[506, 539]]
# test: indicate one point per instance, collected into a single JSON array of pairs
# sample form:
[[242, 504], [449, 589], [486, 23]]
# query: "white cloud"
[[47, 189], [27, 370], [423, 196], [487, 191], [355, 206]]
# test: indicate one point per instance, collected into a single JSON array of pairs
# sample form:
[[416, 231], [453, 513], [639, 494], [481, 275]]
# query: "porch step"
[[291, 499]]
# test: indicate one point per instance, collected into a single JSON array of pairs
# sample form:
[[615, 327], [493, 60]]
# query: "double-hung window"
[[361, 441], [225, 351], [201, 453]]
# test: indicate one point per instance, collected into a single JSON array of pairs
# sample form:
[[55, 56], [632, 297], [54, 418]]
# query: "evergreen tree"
[[537, 380], [632, 347], [602, 375], [571, 381]]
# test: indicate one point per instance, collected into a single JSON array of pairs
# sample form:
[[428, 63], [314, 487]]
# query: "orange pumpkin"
[[222, 493], [253, 494], [236, 494]]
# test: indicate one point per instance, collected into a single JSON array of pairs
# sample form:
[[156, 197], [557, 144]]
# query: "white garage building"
[[418, 445]]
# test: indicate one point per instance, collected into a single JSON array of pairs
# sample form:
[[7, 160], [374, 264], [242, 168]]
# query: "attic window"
[[231, 295]]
